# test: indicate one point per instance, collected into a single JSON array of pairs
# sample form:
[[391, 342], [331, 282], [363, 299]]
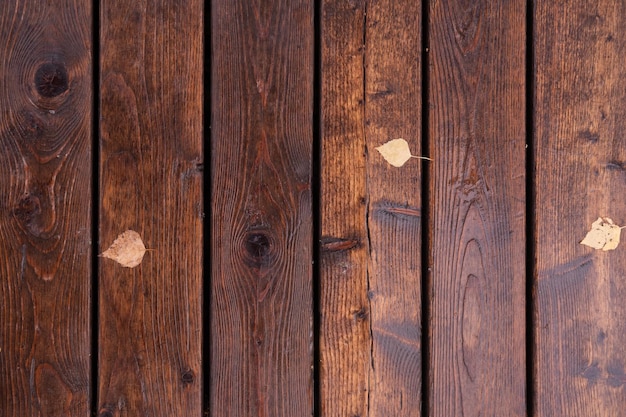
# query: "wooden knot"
[[258, 247], [360, 314], [28, 209], [187, 377], [51, 80]]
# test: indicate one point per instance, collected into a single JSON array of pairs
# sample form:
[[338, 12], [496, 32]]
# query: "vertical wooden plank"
[[393, 109], [477, 190], [45, 207], [345, 338], [151, 182], [580, 175], [371, 211], [262, 134]]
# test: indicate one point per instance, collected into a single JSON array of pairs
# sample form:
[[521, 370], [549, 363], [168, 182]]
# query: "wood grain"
[[370, 211], [393, 110], [45, 219], [345, 338], [580, 175], [151, 182], [477, 202], [261, 242]]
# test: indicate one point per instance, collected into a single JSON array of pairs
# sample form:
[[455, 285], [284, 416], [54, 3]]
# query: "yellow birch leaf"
[[397, 152], [604, 235], [127, 250]]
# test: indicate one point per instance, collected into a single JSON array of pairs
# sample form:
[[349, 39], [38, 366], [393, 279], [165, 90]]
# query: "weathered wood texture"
[[477, 189], [151, 182], [45, 207], [580, 175], [345, 338], [262, 135], [370, 211], [392, 102]]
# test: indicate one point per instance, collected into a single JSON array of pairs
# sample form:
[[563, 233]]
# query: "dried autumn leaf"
[[127, 250], [604, 234], [397, 152]]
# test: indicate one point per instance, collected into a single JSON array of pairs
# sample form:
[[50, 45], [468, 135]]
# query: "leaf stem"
[[421, 157]]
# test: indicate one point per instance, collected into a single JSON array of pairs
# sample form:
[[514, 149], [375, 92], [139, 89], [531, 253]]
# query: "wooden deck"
[[291, 270]]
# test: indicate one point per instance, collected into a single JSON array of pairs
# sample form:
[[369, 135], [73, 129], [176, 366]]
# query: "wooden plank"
[[371, 211], [393, 110], [345, 339], [477, 190], [580, 175], [151, 182], [45, 219], [262, 134]]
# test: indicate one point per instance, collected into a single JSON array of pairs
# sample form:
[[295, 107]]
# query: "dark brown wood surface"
[[259, 339], [261, 144], [45, 207], [151, 170], [477, 206], [580, 175], [370, 210]]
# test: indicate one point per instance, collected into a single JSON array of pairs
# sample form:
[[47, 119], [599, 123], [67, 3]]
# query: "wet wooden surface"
[[298, 273]]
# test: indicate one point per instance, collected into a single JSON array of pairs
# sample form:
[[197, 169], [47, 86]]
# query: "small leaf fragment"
[[127, 250], [604, 235], [397, 152]]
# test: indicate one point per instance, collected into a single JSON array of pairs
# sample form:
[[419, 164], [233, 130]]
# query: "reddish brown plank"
[[394, 217], [477, 190], [262, 134], [345, 338], [371, 211], [45, 207], [580, 175], [151, 182]]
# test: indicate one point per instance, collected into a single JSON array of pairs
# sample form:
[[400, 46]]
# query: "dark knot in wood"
[[258, 245], [258, 248], [51, 80], [28, 209], [187, 377], [361, 314]]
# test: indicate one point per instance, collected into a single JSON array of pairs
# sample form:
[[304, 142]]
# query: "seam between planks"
[[206, 202], [530, 216], [316, 172], [95, 198], [425, 220]]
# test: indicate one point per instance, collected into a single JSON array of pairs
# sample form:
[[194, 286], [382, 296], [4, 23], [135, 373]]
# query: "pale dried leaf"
[[396, 152], [604, 235], [127, 250]]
